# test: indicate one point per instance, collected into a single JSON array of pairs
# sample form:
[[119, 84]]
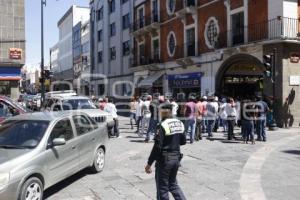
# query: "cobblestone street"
[[211, 170]]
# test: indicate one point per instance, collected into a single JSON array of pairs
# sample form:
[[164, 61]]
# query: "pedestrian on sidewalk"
[[133, 104], [146, 115], [216, 104], [204, 124], [248, 119], [174, 108], [223, 115], [211, 116], [138, 115], [110, 107], [190, 118], [262, 109], [166, 153], [231, 117], [199, 119], [154, 119]]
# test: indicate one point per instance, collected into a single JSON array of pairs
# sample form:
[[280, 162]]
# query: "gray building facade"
[[111, 44], [12, 45]]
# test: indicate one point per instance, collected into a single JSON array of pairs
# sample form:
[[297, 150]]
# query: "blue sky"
[[54, 10]]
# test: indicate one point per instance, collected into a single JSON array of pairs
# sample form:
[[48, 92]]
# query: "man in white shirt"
[[174, 107], [111, 108], [231, 117], [146, 115], [139, 116]]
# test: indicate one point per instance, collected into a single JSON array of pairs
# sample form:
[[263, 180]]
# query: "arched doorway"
[[241, 75]]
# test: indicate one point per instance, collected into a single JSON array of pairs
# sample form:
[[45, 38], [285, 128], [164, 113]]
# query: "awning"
[[148, 82], [10, 73]]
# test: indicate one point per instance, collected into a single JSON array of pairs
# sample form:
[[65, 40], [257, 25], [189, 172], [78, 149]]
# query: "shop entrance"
[[241, 76]]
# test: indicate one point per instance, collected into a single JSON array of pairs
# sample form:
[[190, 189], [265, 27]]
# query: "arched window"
[[171, 5]]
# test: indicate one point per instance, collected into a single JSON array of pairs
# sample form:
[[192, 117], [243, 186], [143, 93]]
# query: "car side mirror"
[[58, 142]]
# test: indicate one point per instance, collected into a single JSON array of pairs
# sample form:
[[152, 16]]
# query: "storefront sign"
[[294, 57], [15, 53], [10, 73], [185, 80]]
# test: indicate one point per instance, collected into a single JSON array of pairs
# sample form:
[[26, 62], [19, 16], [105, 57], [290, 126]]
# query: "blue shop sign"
[[185, 80]]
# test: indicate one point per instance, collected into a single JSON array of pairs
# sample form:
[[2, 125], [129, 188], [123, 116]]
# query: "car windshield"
[[75, 104], [22, 133]]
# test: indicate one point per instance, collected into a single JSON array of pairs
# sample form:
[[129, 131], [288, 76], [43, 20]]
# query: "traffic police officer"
[[166, 153]]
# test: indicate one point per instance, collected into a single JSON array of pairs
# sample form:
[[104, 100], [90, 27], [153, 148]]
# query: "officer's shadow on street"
[[293, 151]]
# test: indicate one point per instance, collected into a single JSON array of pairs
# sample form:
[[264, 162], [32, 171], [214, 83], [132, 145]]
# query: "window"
[[82, 125], [141, 18], [126, 21], [99, 14], [100, 36], [124, 1], [86, 47], [62, 129], [100, 57], [141, 54], [155, 46], [101, 89], [190, 35], [112, 29], [155, 11], [113, 53], [211, 32], [126, 48], [171, 44], [171, 5], [112, 6], [237, 28]]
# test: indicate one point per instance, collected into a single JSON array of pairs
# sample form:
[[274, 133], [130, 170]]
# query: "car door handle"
[[73, 147], [93, 139]]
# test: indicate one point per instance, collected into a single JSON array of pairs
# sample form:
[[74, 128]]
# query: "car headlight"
[[4, 179]]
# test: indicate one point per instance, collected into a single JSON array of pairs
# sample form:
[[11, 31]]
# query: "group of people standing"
[[203, 115]]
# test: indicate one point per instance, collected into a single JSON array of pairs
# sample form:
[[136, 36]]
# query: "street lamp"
[[43, 3]]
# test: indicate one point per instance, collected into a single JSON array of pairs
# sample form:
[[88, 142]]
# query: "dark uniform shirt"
[[169, 137]]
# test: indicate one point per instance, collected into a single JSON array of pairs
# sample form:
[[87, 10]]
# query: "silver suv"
[[40, 149]]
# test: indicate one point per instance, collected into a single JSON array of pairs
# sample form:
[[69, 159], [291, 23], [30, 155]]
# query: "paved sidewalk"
[[211, 170]]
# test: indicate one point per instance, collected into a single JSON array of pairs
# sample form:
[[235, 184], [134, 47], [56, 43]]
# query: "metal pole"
[[43, 2], [274, 67]]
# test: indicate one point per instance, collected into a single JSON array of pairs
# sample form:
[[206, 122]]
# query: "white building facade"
[[64, 69], [110, 47]]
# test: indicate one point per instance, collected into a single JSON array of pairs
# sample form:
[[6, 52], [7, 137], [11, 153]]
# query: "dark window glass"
[[22, 133], [112, 29], [100, 57], [112, 6], [82, 125], [62, 129], [100, 35], [113, 53], [126, 48], [126, 21], [75, 104]]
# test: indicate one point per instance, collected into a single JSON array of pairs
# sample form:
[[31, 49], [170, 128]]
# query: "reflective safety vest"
[[172, 127]]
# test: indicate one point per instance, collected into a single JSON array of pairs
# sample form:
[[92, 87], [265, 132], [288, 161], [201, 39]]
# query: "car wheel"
[[32, 189], [99, 161]]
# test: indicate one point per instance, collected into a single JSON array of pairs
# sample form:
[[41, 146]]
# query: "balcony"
[[153, 60], [188, 7], [275, 29], [147, 24]]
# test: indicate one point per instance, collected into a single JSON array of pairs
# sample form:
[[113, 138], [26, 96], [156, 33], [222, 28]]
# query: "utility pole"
[[274, 67], [43, 3]]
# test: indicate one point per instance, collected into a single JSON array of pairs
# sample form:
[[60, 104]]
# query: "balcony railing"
[[146, 60], [276, 29], [279, 28], [145, 21]]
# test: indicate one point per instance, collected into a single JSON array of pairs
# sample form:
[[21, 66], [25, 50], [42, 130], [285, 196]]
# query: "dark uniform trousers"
[[165, 176]]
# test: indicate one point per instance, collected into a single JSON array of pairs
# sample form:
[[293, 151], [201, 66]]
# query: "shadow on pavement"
[[295, 152], [138, 141], [133, 137], [65, 183]]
